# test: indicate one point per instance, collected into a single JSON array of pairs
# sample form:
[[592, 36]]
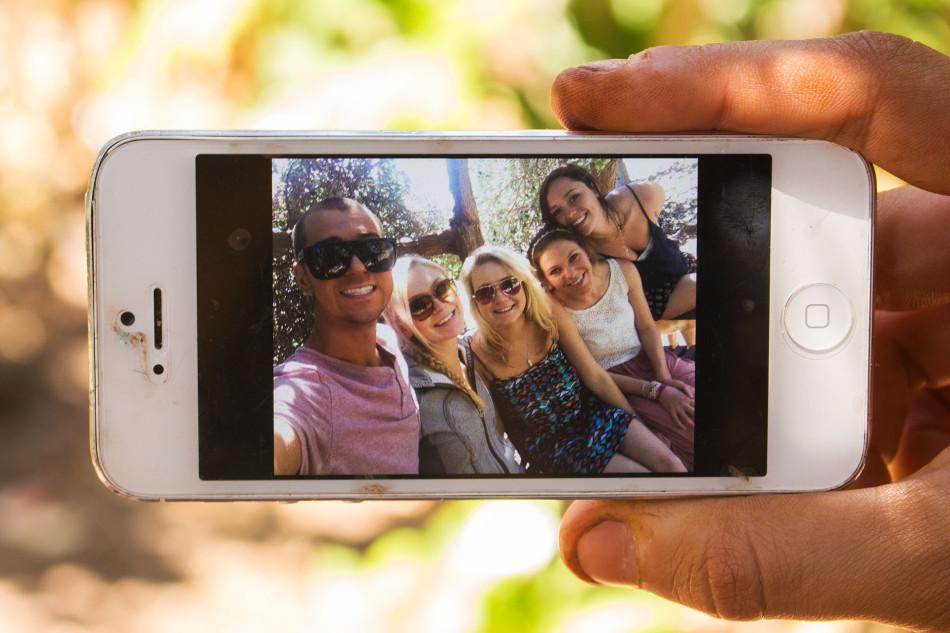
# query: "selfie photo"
[[484, 316]]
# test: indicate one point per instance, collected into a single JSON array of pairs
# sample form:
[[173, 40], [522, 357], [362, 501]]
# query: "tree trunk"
[[607, 177], [432, 244], [464, 234], [465, 218]]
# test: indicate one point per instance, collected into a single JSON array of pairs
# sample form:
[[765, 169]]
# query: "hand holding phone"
[[878, 553]]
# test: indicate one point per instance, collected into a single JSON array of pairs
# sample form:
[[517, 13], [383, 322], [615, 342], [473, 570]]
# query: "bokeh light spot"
[[19, 251], [636, 14], [22, 334], [504, 538], [66, 270]]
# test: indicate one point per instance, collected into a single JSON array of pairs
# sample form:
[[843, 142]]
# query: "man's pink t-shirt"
[[350, 419]]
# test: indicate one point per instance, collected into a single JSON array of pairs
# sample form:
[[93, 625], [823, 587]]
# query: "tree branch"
[[432, 244]]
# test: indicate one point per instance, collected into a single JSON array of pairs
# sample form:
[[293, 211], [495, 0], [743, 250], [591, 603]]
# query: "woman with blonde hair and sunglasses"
[[459, 434], [560, 408]]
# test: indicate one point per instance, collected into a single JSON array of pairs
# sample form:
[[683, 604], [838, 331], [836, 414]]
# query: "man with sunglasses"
[[342, 401]]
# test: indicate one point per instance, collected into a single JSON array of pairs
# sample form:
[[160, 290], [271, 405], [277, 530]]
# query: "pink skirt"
[[654, 416]]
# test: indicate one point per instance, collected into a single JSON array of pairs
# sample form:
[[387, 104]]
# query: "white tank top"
[[609, 326]]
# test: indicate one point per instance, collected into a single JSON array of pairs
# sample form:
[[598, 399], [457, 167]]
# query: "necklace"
[[628, 252], [527, 358]]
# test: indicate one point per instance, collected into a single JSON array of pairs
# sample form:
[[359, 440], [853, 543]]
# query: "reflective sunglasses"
[[421, 307], [329, 260], [509, 285]]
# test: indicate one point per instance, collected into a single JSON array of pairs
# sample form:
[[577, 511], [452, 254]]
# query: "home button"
[[817, 318]]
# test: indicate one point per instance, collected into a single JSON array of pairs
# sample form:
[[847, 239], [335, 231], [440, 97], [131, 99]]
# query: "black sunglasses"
[[509, 285], [329, 260], [421, 307]]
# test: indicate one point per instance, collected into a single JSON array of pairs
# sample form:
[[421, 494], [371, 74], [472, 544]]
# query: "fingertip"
[[591, 562], [632, 95], [576, 93], [579, 517], [567, 97]]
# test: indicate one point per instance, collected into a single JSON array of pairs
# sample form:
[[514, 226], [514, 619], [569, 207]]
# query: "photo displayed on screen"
[[484, 316]]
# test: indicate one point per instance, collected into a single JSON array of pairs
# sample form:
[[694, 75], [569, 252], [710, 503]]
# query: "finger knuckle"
[[725, 580], [877, 47]]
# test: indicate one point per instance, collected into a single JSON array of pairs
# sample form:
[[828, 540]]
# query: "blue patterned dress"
[[559, 426]]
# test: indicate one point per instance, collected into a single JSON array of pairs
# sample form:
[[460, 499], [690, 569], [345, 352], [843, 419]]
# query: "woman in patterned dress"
[[560, 408]]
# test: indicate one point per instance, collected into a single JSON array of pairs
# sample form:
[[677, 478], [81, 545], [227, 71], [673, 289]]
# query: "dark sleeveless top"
[[661, 265], [559, 426]]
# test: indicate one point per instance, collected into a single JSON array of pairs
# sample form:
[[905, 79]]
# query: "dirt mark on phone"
[[135, 340]]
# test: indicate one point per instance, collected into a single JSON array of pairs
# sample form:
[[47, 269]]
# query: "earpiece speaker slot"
[[157, 303]]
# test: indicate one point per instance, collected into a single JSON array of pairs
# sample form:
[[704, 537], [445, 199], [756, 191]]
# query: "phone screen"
[[482, 316]]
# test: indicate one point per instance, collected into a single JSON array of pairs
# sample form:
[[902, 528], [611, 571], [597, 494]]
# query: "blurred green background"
[[73, 73]]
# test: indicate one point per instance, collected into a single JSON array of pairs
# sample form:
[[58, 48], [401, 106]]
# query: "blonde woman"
[[460, 434], [562, 411]]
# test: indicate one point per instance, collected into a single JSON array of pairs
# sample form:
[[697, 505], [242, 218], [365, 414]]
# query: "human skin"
[[879, 550], [640, 450], [507, 315], [576, 282], [347, 322], [442, 328], [575, 206], [447, 320]]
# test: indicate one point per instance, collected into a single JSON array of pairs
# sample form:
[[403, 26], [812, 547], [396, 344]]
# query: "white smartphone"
[[246, 340]]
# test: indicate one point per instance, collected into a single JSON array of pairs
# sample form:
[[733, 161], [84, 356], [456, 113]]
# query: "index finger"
[[883, 95]]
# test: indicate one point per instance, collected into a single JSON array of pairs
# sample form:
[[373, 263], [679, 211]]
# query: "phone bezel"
[[144, 433]]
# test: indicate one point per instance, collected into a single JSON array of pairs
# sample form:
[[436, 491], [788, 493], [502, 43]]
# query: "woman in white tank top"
[[605, 299]]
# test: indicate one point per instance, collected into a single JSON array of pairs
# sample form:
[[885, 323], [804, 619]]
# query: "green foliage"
[[619, 28], [530, 604], [506, 191], [451, 262], [547, 599], [927, 21], [412, 16], [611, 26]]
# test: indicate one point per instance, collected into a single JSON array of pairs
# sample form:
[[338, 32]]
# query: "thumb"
[[865, 554]]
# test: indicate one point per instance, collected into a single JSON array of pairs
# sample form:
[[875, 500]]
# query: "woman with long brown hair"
[[624, 224]]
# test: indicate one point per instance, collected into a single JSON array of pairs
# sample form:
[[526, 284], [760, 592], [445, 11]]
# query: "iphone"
[[445, 315]]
